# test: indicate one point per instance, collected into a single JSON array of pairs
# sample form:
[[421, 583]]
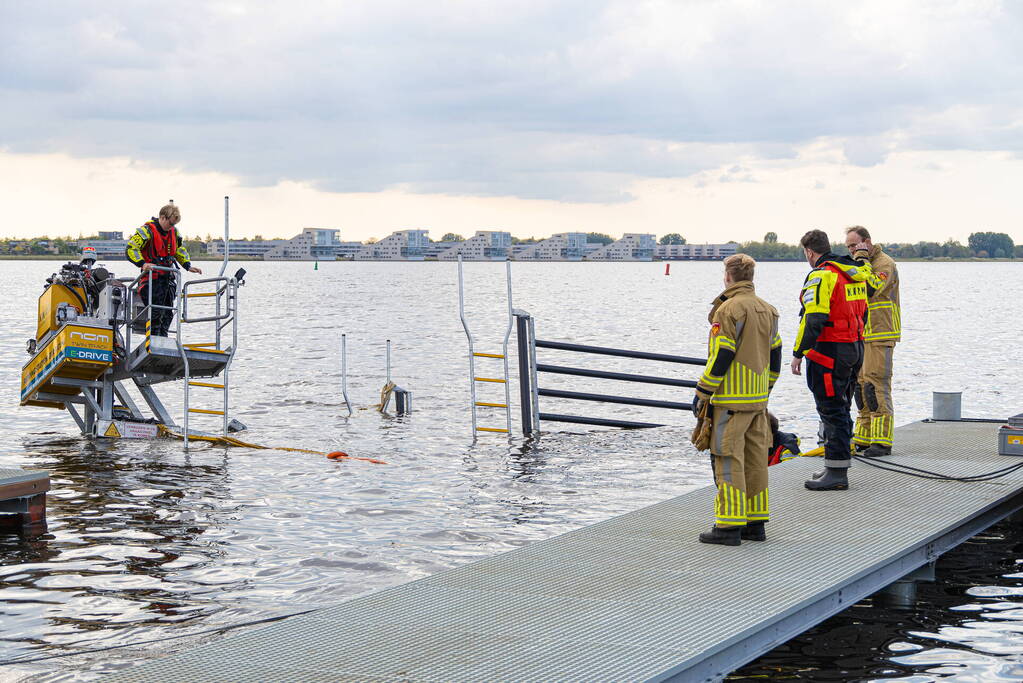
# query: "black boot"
[[876, 450], [858, 447], [722, 536], [753, 531], [832, 479]]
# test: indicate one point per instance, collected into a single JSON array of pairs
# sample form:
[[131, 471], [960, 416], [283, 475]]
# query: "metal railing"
[[530, 391]]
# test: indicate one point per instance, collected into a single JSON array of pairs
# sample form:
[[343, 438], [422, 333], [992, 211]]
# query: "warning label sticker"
[[122, 429]]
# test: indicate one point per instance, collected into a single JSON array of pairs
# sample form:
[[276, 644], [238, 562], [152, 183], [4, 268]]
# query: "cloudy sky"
[[718, 119]]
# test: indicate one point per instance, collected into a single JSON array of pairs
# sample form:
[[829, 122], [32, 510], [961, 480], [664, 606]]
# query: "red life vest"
[[160, 248], [848, 309]]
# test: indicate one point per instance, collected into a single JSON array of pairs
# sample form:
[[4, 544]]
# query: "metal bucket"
[[947, 405]]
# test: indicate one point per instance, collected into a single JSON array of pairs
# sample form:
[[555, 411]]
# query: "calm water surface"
[[147, 541]]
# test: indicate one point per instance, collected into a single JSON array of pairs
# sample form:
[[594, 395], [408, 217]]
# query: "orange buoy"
[[337, 455]]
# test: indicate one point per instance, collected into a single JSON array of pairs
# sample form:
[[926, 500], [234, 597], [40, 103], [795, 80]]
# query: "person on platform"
[[744, 359], [831, 320], [156, 243], [875, 423]]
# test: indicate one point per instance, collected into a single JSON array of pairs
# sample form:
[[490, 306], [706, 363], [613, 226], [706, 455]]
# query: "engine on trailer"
[[81, 291]]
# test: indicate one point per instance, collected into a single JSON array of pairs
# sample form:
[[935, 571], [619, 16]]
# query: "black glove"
[[697, 403]]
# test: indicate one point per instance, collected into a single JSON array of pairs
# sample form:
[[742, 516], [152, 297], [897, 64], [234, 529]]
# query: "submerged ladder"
[[487, 377]]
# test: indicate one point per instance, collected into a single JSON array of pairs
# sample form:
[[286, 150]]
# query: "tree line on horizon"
[[978, 245]]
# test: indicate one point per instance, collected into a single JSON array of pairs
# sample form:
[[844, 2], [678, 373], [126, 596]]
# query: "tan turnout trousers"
[[874, 396], [739, 458]]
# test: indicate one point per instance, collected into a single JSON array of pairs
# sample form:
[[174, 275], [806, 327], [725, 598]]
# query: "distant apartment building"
[[563, 246], [631, 247], [433, 250], [403, 245], [243, 247], [485, 245], [111, 244], [714, 252], [313, 244], [348, 250]]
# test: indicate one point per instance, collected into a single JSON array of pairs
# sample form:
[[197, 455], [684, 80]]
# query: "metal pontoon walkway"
[[636, 597]]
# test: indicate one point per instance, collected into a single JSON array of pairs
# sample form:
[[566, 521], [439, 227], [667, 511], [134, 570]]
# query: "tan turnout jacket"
[[743, 350]]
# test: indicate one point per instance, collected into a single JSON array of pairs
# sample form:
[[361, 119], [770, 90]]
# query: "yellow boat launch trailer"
[[93, 342]]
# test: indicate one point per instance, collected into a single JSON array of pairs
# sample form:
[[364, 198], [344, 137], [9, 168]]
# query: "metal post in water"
[[344, 373], [227, 235], [525, 393], [388, 361], [504, 349], [535, 386]]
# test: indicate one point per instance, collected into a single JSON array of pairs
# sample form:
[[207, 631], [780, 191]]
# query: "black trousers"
[[164, 289], [831, 376]]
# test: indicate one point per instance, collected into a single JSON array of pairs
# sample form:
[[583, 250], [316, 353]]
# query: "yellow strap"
[[488, 379], [206, 384], [208, 412], [489, 355], [492, 405], [231, 441], [490, 429], [189, 296]]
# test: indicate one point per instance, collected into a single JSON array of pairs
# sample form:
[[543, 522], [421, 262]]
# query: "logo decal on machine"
[[89, 336]]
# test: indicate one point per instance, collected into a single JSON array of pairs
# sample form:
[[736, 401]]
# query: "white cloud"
[[573, 101]]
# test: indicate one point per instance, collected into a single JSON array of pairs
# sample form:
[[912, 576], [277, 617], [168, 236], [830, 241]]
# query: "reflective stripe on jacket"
[[151, 245], [834, 302], [884, 316], [744, 350]]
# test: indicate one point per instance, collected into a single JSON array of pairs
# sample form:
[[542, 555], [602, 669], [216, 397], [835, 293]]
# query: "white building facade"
[[403, 245], [485, 245], [563, 246], [313, 244], [714, 252], [631, 247]]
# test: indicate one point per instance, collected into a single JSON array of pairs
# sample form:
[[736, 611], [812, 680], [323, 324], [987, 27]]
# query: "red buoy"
[[667, 269]]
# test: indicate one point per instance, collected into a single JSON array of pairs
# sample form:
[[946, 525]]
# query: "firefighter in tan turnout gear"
[[744, 359], [874, 426]]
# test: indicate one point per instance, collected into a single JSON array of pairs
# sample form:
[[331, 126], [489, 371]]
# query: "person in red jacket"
[[833, 312], [156, 243]]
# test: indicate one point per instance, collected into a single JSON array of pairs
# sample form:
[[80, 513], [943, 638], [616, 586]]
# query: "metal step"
[[162, 361]]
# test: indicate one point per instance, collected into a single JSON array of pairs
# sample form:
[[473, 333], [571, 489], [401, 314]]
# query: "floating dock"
[[636, 597], [23, 501]]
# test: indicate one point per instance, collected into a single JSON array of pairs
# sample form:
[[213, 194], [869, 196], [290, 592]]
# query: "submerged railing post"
[[344, 373], [522, 319]]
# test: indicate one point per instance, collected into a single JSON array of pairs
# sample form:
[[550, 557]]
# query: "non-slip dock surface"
[[636, 597], [17, 483]]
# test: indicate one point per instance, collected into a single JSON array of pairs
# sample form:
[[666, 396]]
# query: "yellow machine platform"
[[75, 352]]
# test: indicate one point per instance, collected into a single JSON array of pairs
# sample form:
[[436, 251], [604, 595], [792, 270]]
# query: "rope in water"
[[231, 441]]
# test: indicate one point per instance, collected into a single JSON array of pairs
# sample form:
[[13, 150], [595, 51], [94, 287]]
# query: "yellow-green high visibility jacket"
[[743, 350], [819, 294], [142, 248], [884, 317]]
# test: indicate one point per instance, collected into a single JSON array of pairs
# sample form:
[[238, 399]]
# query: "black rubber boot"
[[876, 450], [723, 536], [754, 531], [859, 447], [832, 479]]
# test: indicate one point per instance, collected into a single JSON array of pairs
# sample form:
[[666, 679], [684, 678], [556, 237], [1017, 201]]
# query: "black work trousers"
[[165, 287], [831, 376]]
